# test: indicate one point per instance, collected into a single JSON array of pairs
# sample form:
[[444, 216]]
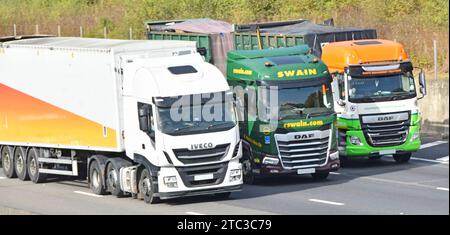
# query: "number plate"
[[387, 152], [306, 171], [204, 177]]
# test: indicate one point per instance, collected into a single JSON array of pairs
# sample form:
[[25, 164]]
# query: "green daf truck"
[[285, 105]]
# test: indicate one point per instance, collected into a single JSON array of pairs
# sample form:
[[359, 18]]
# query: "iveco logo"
[[202, 146], [303, 137], [386, 118]]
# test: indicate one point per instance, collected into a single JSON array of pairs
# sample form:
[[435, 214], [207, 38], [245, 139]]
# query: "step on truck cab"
[[149, 119], [375, 98], [285, 108]]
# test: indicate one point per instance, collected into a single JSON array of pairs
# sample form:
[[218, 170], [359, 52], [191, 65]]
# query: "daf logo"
[[304, 137], [202, 146], [386, 118]]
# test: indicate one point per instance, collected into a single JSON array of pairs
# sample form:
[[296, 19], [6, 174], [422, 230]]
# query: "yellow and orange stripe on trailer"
[[25, 120]]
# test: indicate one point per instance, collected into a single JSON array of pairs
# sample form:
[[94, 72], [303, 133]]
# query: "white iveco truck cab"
[[145, 118]]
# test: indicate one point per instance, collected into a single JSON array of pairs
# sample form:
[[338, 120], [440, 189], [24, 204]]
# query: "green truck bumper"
[[364, 149]]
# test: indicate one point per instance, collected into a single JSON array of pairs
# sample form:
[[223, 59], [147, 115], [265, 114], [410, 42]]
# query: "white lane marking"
[[335, 173], [443, 159], [429, 160], [2, 178], [442, 189], [432, 144], [194, 213], [87, 194], [327, 202]]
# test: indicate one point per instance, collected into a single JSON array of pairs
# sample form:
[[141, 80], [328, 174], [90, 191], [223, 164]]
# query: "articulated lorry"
[[287, 119], [133, 117], [376, 98]]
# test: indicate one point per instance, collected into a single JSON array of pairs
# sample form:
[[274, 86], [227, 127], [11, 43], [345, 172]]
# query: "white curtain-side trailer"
[[100, 108]]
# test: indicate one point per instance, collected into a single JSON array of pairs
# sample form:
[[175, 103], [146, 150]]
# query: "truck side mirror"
[[423, 84]]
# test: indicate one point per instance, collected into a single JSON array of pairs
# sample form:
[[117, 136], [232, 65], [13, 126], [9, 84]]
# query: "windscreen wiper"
[[328, 113], [218, 124]]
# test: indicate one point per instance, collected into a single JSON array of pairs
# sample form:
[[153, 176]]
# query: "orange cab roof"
[[339, 55]]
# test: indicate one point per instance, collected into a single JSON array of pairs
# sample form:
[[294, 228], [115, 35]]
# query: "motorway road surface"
[[363, 187]]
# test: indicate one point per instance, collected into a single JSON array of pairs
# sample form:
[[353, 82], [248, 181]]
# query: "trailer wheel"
[[20, 163], [112, 181], [95, 179], [146, 189], [402, 158], [33, 167], [8, 162]]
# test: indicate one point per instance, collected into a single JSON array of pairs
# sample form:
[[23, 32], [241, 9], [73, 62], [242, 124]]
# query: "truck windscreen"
[[185, 118], [305, 102], [381, 88]]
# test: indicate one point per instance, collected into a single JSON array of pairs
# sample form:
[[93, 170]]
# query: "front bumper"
[[364, 149], [330, 166], [170, 195], [224, 185]]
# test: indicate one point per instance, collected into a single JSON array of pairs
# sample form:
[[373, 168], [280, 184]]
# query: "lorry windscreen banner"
[[379, 70]]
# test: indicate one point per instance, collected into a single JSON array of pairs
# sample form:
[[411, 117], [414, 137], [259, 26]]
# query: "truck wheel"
[[33, 167], [249, 176], [8, 162], [95, 179], [20, 163], [146, 188], [112, 181], [402, 158], [320, 176]]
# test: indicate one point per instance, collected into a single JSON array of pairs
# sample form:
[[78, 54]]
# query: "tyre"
[[95, 179], [247, 170], [8, 162], [146, 187], [112, 181], [223, 195], [20, 165], [320, 176], [402, 158], [33, 167]]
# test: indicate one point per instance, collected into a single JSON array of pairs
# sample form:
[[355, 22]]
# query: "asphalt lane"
[[362, 187]]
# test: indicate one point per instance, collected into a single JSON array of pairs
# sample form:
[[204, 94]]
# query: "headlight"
[[270, 161], [171, 181], [334, 156], [235, 175], [355, 140], [415, 136]]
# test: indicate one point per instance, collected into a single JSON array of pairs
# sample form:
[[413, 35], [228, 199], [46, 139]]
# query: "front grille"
[[187, 156], [385, 134], [218, 172], [296, 154]]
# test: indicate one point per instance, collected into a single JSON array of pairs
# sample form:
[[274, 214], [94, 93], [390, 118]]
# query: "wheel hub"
[[146, 184], [20, 163], [33, 167], [95, 179], [6, 161], [112, 178]]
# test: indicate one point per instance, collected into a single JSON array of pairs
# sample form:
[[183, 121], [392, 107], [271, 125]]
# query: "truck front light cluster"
[[334, 156], [171, 181], [415, 136], [235, 175], [355, 140], [270, 161]]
